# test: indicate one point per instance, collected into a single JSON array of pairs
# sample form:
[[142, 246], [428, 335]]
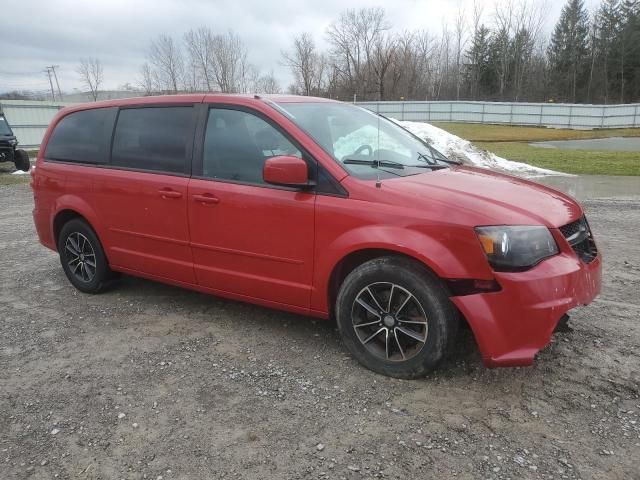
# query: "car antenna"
[[378, 182]]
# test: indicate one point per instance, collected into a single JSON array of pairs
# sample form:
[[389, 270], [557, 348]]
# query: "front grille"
[[578, 234]]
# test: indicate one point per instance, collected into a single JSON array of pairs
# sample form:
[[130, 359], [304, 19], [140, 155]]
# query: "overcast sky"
[[35, 34]]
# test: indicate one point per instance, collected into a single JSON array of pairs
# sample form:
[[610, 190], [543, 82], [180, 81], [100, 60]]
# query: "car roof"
[[196, 98]]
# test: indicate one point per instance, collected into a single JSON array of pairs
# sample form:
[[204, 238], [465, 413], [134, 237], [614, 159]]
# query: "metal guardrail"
[[558, 115], [29, 119]]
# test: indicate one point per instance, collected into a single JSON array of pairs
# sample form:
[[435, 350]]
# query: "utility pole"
[[55, 76], [53, 93]]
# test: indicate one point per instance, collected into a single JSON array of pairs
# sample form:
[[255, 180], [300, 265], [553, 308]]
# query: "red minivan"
[[315, 207]]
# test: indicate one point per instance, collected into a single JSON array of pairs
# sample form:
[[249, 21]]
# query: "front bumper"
[[511, 326]]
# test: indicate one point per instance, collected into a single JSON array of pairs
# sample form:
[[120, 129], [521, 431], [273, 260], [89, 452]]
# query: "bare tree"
[[231, 69], [461, 40], [91, 75], [303, 62], [503, 15], [267, 84], [384, 53], [353, 38], [166, 59], [200, 45], [529, 17], [146, 81]]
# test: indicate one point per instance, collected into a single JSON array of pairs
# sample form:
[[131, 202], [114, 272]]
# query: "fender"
[[433, 251]]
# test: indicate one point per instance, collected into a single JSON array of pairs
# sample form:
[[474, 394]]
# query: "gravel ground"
[[152, 381]]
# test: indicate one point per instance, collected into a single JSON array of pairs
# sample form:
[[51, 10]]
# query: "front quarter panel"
[[344, 226]]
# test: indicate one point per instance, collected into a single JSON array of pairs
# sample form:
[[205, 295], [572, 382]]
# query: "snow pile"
[[20, 172], [457, 148]]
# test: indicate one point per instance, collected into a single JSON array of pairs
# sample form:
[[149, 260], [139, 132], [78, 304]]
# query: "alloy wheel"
[[389, 321], [80, 257]]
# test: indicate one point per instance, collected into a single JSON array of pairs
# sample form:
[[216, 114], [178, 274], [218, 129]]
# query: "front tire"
[[21, 160], [82, 257], [395, 317]]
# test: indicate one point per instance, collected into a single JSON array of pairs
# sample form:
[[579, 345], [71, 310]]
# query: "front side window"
[[154, 138], [366, 144], [237, 143], [82, 137]]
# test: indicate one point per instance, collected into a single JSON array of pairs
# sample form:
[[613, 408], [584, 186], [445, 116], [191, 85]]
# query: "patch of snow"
[[20, 172], [457, 148]]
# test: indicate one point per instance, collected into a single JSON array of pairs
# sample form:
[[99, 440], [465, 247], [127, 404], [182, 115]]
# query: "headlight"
[[516, 248], [13, 141]]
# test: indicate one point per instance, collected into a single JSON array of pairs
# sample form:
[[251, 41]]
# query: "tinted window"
[[82, 136], [4, 127], [154, 138], [237, 144]]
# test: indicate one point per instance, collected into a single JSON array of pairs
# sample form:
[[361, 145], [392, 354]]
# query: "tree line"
[[590, 57], [498, 55]]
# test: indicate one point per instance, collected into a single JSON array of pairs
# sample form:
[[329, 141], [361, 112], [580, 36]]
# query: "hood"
[[485, 197]]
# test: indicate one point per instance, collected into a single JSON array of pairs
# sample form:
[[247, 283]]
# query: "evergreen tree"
[[568, 51], [479, 66], [629, 50], [609, 23]]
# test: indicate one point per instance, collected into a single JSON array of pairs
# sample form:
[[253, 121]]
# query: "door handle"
[[168, 193], [207, 198]]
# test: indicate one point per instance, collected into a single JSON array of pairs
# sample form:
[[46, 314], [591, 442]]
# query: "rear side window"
[[82, 137], [154, 138]]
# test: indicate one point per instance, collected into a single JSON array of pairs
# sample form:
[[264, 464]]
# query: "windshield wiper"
[[428, 165], [429, 162], [374, 163], [390, 164]]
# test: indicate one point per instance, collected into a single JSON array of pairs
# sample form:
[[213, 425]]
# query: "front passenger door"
[[249, 238]]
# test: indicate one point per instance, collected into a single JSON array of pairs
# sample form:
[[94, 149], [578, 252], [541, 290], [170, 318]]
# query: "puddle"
[[614, 144], [584, 187]]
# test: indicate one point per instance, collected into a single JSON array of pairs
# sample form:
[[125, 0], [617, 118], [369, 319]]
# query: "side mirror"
[[286, 170]]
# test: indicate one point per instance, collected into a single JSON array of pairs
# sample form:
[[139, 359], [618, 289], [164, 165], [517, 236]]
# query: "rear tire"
[[21, 160], [395, 317], [82, 257]]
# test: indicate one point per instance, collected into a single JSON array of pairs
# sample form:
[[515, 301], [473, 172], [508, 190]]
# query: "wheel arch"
[[61, 218], [354, 259], [70, 207]]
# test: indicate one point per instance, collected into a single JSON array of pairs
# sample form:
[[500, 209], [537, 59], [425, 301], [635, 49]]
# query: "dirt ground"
[[151, 381]]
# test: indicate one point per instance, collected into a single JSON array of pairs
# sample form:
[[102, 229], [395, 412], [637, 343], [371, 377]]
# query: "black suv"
[[8, 144]]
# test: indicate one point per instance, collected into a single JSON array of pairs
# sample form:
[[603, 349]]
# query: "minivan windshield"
[[4, 127], [367, 144]]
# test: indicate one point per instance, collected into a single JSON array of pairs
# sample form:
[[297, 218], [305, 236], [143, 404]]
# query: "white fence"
[[558, 115], [29, 119]]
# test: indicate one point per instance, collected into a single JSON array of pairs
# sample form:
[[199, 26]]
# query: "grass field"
[[6, 178], [513, 143]]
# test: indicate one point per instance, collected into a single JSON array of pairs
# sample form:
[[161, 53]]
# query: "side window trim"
[[189, 154], [198, 159]]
